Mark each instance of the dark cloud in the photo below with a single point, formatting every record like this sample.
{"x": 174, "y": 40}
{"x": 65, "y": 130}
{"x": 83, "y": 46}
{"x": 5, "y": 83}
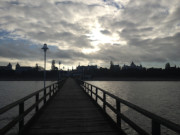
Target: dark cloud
{"x": 106, "y": 32}
{"x": 115, "y": 4}
{"x": 28, "y": 51}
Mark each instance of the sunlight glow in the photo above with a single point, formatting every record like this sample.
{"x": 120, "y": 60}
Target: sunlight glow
{"x": 89, "y": 50}
{"x": 98, "y": 37}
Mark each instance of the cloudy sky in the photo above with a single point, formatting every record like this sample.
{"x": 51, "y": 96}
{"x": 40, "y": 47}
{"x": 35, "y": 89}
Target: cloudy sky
{"x": 90, "y": 32}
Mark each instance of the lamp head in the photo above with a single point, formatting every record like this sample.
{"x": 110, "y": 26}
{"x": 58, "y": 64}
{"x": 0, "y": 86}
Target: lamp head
{"x": 45, "y": 48}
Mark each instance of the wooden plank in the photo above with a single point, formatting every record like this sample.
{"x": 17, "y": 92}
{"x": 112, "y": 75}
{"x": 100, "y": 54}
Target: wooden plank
{"x": 71, "y": 112}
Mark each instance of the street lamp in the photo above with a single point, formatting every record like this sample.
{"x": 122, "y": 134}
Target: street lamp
{"x": 45, "y": 48}
{"x": 59, "y": 69}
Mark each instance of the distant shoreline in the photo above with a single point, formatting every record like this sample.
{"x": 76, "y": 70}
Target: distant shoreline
{"x": 99, "y": 79}
{"x": 132, "y": 79}
{"x": 27, "y": 79}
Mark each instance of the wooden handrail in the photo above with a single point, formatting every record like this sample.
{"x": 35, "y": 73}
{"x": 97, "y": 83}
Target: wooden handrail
{"x": 157, "y": 121}
{"x": 8, "y": 107}
{"x": 22, "y": 112}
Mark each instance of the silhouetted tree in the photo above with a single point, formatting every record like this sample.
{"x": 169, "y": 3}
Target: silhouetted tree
{"x": 167, "y": 66}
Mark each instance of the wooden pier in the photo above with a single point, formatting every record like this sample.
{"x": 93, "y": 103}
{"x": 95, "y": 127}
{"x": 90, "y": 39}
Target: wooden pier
{"x": 71, "y": 112}
{"x": 72, "y": 108}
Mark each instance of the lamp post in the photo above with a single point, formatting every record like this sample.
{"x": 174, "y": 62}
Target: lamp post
{"x": 59, "y": 69}
{"x": 45, "y": 48}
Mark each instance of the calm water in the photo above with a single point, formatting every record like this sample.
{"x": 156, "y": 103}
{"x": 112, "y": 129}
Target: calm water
{"x": 11, "y": 91}
{"x": 161, "y": 98}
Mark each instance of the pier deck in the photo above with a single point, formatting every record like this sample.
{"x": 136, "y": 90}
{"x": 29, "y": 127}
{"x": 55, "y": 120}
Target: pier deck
{"x": 71, "y": 111}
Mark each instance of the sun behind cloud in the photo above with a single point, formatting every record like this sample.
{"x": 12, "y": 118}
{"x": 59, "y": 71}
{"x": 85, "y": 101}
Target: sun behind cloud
{"x": 99, "y": 35}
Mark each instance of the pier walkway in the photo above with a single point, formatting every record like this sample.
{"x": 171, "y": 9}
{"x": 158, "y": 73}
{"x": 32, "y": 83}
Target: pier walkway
{"x": 71, "y": 111}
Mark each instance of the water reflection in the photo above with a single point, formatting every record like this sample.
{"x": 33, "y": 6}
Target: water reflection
{"x": 161, "y": 98}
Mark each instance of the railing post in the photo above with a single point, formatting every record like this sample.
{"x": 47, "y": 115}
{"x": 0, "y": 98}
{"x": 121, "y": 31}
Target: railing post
{"x": 58, "y": 85}
{"x": 86, "y": 88}
{"x": 104, "y": 102}
{"x": 96, "y": 93}
{"x": 21, "y": 111}
{"x": 37, "y": 99}
{"x": 91, "y": 91}
{"x": 118, "y": 109}
{"x": 50, "y": 91}
{"x": 156, "y": 129}
{"x": 53, "y": 89}
{"x": 44, "y": 95}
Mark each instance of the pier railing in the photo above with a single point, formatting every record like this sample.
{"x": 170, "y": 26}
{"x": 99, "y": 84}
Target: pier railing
{"x": 47, "y": 93}
{"x": 156, "y": 121}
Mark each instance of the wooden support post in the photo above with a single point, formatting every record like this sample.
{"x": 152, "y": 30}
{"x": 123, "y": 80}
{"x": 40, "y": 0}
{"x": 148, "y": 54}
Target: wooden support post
{"x": 44, "y": 95}
{"x": 118, "y": 109}
{"x": 104, "y": 102}
{"x": 96, "y": 93}
{"x": 156, "y": 129}
{"x": 37, "y": 99}
{"x": 21, "y": 111}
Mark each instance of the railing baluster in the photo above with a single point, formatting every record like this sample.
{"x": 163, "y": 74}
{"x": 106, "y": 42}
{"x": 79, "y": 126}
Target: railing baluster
{"x": 50, "y": 90}
{"x": 86, "y": 87}
{"x": 21, "y": 111}
{"x": 58, "y": 85}
{"x": 44, "y": 95}
{"x": 96, "y": 93}
{"x": 37, "y": 99}
{"x": 104, "y": 101}
{"x": 118, "y": 109}
{"x": 156, "y": 129}
{"x": 53, "y": 89}
{"x": 91, "y": 91}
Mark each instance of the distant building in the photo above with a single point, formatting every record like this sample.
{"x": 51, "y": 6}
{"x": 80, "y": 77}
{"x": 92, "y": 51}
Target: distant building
{"x": 169, "y": 67}
{"x": 8, "y": 67}
{"x": 23, "y": 68}
{"x": 83, "y": 68}
{"x": 114, "y": 67}
{"x": 39, "y": 68}
{"x": 132, "y": 66}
